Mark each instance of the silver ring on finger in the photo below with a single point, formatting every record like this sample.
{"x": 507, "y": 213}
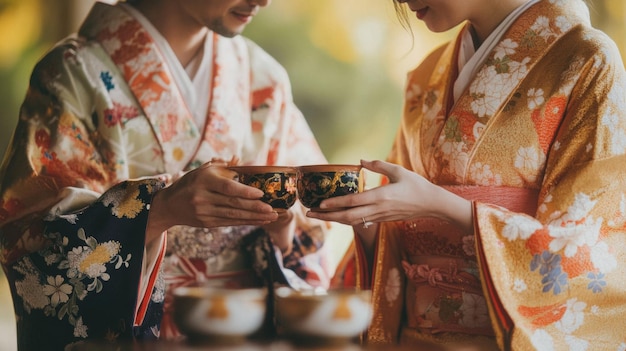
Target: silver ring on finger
{"x": 365, "y": 223}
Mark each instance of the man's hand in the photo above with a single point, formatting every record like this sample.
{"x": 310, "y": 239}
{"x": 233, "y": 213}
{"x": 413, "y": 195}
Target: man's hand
{"x": 207, "y": 197}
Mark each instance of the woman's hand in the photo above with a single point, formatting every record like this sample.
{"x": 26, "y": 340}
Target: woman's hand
{"x": 207, "y": 197}
{"x": 407, "y": 196}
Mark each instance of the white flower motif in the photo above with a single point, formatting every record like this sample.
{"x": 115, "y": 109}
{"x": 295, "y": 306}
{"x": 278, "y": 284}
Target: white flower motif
{"x": 31, "y": 292}
{"x": 517, "y": 70}
{"x": 602, "y": 259}
{"x": 570, "y": 231}
{"x": 57, "y": 290}
{"x": 576, "y": 344}
{"x": 573, "y": 317}
{"x": 456, "y": 155}
{"x": 97, "y": 270}
{"x": 580, "y": 209}
{"x": 541, "y": 340}
{"x": 563, "y": 24}
{"x": 589, "y": 147}
{"x": 519, "y": 285}
{"x": 392, "y": 288}
{"x": 572, "y": 236}
{"x": 505, "y": 48}
{"x": 542, "y": 27}
{"x": 483, "y": 175}
{"x": 474, "y": 311}
{"x": 520, "y": 227}
{"x": 595, "y": 310}
{"x": 528, "y": 158}
{"x": 113, "y": 247}
{"x": 75, "y": 257}
{"x": 489, "y": 89}
{"x": 80, "y": 330}
{"x": 557, "y": 145}
{"x": 535, "y": 98}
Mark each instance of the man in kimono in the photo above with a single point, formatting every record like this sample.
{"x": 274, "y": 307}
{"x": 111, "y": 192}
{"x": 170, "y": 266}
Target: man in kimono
{"x": 502, "y": 220}
{"x": 114, "y": 184}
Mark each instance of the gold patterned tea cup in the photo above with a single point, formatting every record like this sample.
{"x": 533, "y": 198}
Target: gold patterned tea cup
{"x": 219, "y": 315}
{"x": 278, "y": 183}
{"x": 319, "y": 182}
{"x": 336, "y": 316}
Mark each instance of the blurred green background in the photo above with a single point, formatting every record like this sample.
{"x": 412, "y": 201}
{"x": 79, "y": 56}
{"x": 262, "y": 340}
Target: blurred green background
{"x": 347, "y": 60}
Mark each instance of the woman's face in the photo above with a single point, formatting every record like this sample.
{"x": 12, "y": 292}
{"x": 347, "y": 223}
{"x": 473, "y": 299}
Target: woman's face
{"x": 225, "y": 17}
{"x": 442, "y": 15}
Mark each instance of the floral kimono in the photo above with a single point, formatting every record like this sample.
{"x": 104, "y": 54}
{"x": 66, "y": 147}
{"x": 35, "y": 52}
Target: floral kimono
{"x": 537, "y": 141}
{"x": 102, "y": 128}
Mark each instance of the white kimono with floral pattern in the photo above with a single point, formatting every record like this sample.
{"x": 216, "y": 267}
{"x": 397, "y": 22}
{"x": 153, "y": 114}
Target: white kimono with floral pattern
{"x": 103, "y": 126}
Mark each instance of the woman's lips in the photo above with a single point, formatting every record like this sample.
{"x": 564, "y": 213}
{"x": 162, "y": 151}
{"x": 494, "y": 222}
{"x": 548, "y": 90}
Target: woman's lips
{"x": 421, "y": 12}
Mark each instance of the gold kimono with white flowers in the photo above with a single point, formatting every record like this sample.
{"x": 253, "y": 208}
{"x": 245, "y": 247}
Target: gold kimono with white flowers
{"x": 538, "y": 142}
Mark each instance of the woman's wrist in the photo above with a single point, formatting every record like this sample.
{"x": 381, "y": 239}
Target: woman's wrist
{"x": 455, "y": 209}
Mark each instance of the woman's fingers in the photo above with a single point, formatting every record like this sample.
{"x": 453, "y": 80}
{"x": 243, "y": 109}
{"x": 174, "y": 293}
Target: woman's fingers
{"x": 352, "y": 200}
{"x": 352, "y": 216}
{"x": 390, "y": 170}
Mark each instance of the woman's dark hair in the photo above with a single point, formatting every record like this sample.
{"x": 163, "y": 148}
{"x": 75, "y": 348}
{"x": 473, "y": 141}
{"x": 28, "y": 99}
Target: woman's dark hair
{"x": 403, "y": 17}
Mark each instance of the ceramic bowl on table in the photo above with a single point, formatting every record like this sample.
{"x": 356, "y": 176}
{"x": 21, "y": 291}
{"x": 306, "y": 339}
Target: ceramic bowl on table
{"x": 278, "y": 183}
{"x": 319, "y": 182}
{"x": 333, "y": 317}
{"x": 219, "y": 315}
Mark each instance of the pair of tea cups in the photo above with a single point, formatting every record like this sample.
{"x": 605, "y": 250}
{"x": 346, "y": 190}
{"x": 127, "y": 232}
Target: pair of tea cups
{"x": 282, "y": 185}
{"x": 230, "y": 316}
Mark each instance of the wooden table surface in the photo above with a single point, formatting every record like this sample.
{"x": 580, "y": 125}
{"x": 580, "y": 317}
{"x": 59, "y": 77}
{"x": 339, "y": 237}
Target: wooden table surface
{"x": 279, "y": 345}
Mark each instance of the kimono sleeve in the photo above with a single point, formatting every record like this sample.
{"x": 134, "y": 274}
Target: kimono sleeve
{"x": 76, "y": 273}
{"x": 556, "y": 279}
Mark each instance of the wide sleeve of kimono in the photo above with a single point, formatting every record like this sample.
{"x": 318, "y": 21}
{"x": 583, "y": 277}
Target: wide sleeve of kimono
{"x": 556, "y": 280}
{"x": 276, "y": 117}
{"x": 72, "y": 234}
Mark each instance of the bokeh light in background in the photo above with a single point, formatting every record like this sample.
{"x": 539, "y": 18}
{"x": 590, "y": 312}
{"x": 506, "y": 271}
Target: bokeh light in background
{"x": 347, "y": 60}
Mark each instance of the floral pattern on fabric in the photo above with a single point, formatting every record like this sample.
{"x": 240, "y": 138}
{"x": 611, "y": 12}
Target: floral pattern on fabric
{"x": 103, "y": 111}
{"x": 533, "y": 121}
{"x": 73, "y": 278}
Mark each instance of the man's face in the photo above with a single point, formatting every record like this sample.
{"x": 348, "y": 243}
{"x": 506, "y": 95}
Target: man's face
{"x": 225, "y": 17}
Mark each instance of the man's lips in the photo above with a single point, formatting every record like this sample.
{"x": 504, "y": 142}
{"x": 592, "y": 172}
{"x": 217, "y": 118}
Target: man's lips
{"x": 243, "y": 16}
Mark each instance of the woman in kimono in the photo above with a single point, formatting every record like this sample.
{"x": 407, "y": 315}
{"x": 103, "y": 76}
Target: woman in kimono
{"x": 114, "y": 184}
{"x": 501, "y": 220}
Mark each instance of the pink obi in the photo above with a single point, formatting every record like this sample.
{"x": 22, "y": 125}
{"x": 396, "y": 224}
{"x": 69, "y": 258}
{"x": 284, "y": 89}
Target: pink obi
{"x": 444, "y": 292}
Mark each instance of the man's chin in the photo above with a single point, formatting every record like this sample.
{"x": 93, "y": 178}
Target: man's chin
{"x": 227, "y": 32}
